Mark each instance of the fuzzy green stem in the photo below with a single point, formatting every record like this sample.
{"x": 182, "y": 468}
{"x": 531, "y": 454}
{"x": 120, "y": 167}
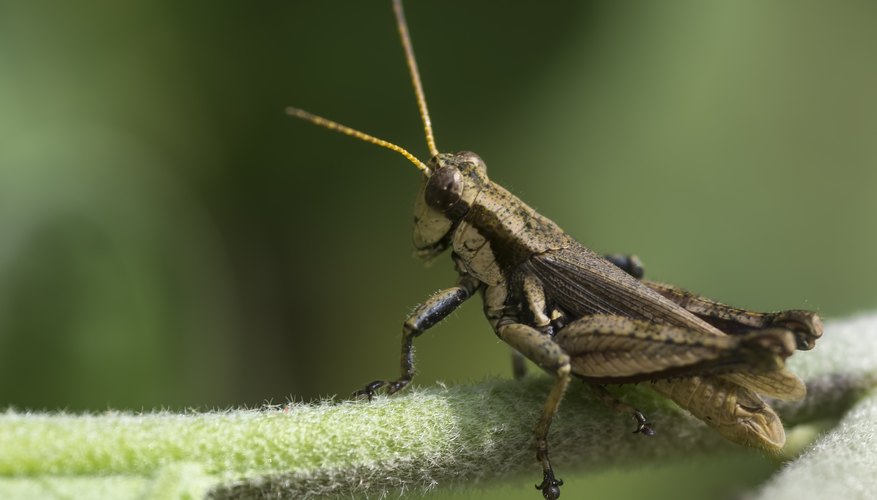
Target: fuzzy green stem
{"x": 415, "y": 441}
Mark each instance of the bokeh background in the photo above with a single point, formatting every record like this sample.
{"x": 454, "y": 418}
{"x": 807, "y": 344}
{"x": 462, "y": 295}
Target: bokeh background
{"x": 169, "y": 239}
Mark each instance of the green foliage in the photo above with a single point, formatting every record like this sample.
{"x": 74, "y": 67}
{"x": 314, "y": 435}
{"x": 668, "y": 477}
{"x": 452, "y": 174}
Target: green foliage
{"x": 426, "y": 438}
{"x": 840, "y": 465}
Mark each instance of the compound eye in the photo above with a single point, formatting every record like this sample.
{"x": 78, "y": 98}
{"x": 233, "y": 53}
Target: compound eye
{"x": 444, "y": 188}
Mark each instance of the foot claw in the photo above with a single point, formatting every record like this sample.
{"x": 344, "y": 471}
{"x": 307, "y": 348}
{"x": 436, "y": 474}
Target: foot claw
{"x": 646, "y": 430}
{"x": 550, "y": 486}
{"x": 397, "y": 386}
{"x": 643, "y": 426}
{"x": 369, "y": 390}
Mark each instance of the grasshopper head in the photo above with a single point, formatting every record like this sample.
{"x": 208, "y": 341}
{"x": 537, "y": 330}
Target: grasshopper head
{"x": 446, "y": 193}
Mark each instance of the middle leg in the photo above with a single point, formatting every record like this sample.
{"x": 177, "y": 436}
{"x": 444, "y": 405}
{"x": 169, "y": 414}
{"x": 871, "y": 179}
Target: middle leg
{"x": 503, "y": 311}
{"x": 541, "y": 349}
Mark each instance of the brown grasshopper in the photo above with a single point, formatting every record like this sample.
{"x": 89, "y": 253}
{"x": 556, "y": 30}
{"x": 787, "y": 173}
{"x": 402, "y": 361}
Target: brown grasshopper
{"x": 577, "y": 314}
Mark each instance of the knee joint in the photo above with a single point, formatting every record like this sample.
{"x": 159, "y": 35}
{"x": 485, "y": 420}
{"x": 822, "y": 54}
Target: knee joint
{"x": 563, "y": 367}
{"x": 410, "y": 329}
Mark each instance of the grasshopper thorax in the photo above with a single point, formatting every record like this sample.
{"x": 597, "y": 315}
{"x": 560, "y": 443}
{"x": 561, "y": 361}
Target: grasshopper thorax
{"x": 446, "y": 194}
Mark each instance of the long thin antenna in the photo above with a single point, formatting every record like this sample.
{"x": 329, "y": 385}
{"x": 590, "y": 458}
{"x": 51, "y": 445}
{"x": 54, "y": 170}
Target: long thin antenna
{"x": 329, "y": 124}
{"x": 415, "y": 76}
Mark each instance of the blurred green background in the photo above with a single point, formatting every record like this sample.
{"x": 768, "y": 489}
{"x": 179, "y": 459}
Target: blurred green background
{"x": 169, "y": 238}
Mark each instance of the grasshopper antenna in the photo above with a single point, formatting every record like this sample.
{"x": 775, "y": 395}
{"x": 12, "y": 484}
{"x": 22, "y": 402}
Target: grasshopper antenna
{"x": 418, "y": 90}
{"x": 415, "y": 76}
{"x": 329, "y": 124}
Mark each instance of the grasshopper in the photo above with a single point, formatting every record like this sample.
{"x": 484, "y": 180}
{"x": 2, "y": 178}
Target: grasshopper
{"x": 577, "y": 314}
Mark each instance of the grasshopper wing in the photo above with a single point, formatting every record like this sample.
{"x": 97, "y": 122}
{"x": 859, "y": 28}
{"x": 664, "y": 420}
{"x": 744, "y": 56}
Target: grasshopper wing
{"x": 583, "y": 283}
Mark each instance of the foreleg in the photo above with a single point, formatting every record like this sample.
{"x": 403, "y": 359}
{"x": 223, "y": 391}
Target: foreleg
{"x": 425, "y": 316}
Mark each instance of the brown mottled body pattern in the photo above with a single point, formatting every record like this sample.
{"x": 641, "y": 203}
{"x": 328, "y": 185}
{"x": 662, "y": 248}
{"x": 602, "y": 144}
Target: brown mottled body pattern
{"x": 575, "y": 313}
